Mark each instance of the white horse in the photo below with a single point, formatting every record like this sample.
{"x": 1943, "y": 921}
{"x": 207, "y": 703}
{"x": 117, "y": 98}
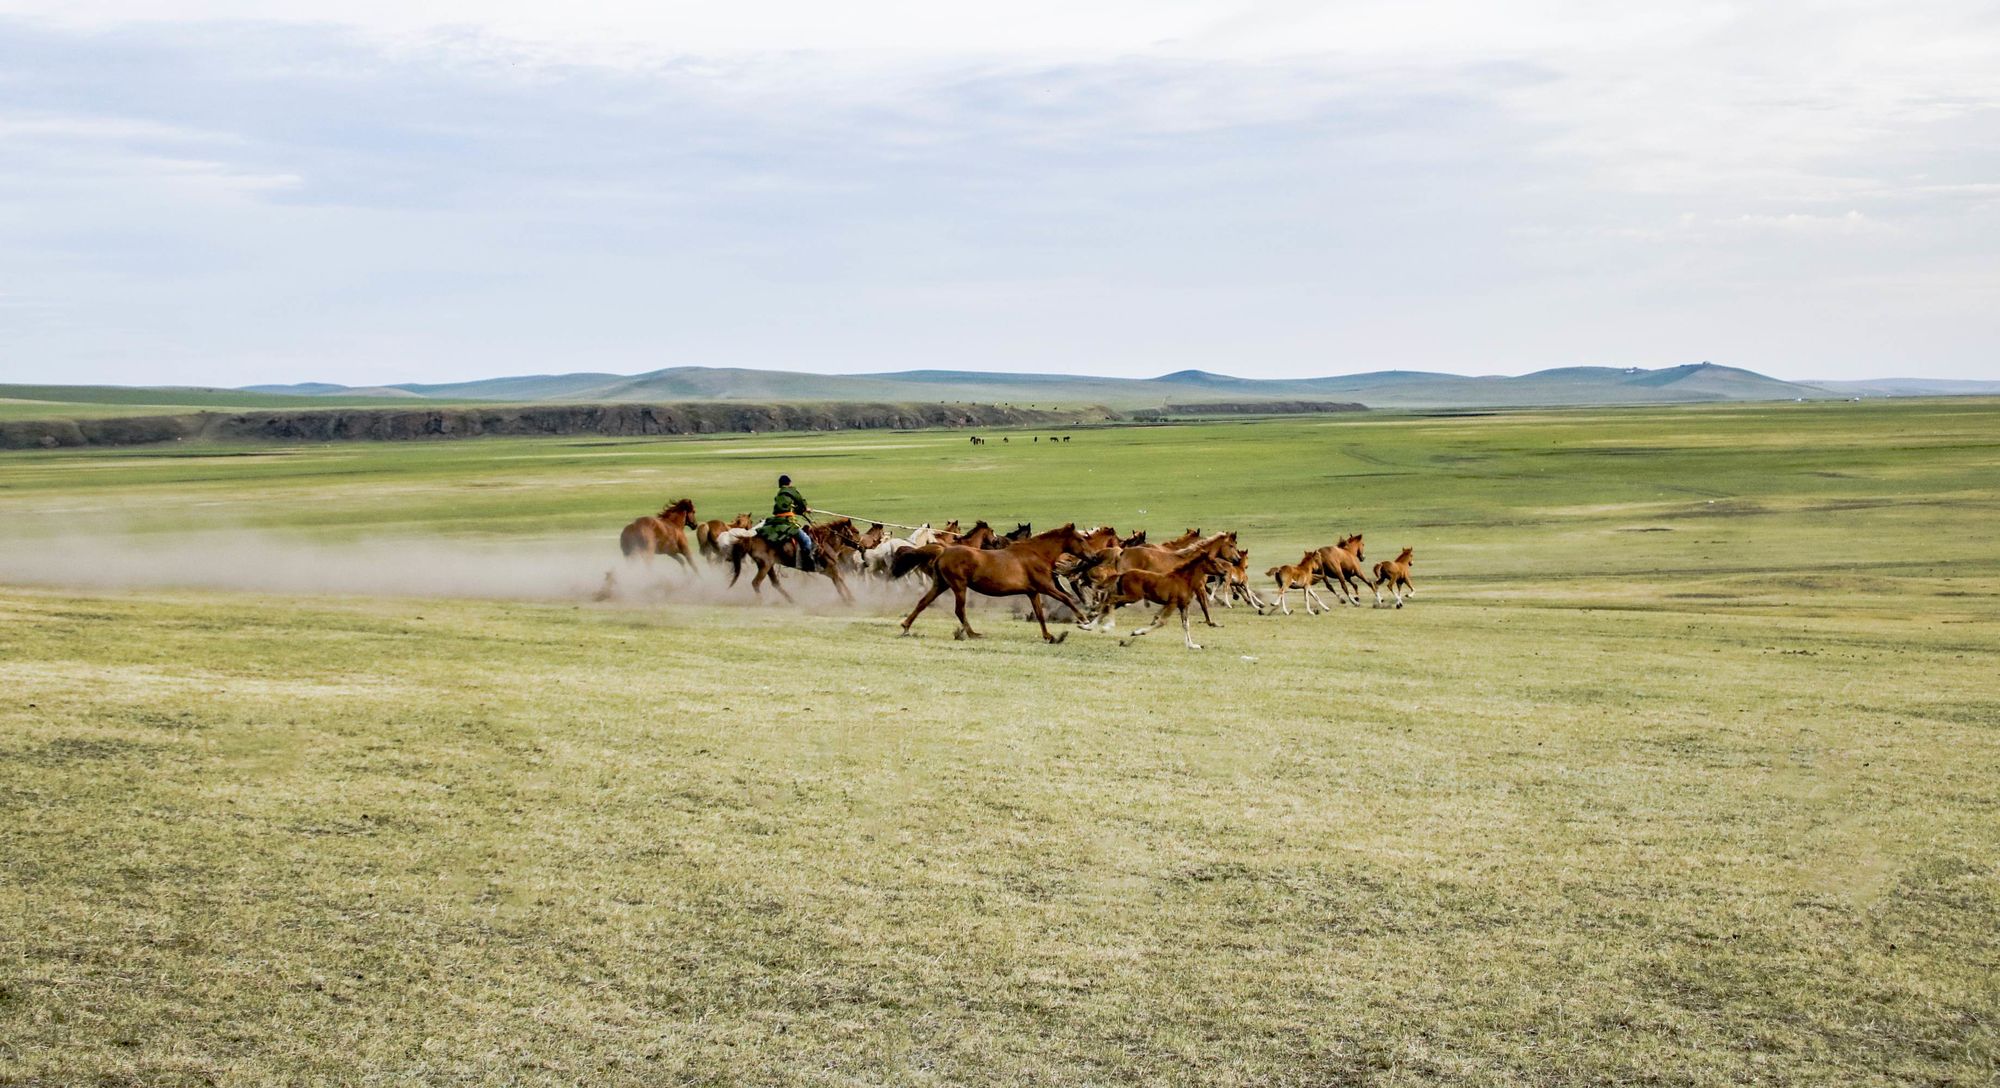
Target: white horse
{"x": 876, "y": 560}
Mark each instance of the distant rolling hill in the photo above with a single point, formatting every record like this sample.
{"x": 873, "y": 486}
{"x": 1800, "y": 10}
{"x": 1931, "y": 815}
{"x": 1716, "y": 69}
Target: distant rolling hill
{"x": 1590, "y": 385}
{"x": 1388, "y": 388}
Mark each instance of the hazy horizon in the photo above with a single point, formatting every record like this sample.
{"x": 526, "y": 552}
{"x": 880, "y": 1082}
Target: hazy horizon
{"x": 225, "y": 193}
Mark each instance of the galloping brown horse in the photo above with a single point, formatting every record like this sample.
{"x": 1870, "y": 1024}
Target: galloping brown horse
{"x": 1300, "y": 576}
{"x": 924, "y": 556}
{"x": 1026, "y": 568}
{"x": 1161, "y": 559}
{"x": 707, "y": 531}
{"x": 832, "y": 541}
{"x": 1396, "y": 572}
{"x": 661, "y": 534}
{"x": 1172, "y": 590}
{"x": 1340, "y": 565}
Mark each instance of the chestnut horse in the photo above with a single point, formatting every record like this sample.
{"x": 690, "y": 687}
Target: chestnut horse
{"x": 1340, "y": 565}
{"x": 1396, "y": 572}
{"x": 1301, "y": 576}
{"x": 1024, "y": 568}
{"x": 1172, "y": 590}
{"x": 832, "y": 543}
{"x": 1236, "y": 585}
{"x": 922, "y": 558}
{"x": 707, "y": 531}
{"x": 661, "y": 534}
{"x": 1160, "y": 560}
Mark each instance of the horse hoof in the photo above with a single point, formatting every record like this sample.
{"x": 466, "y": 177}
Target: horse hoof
{"x": 1058, "y": 640}
{"x": 1124, "y": 642}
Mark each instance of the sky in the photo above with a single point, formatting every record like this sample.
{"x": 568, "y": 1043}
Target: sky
{"x": 228, "y": 192}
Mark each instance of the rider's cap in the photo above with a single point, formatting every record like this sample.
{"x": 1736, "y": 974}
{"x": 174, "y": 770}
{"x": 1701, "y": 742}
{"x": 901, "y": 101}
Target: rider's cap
{"x": 783, "y": 480}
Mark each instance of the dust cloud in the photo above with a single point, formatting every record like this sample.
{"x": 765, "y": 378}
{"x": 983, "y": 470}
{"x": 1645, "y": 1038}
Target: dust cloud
{"x": 272, "y": 563}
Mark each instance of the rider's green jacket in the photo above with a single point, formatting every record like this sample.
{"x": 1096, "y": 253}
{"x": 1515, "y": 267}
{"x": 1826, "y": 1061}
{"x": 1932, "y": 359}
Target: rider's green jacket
{"x": 789, "y": 501}
{"x": 787, "y": 516}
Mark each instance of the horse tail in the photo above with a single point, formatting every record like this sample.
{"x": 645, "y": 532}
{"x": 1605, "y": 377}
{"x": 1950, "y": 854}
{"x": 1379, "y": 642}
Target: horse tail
{"x": 629, "y": 542}
{"x": 736, "y": 561}
{"x": 910, "y": 559}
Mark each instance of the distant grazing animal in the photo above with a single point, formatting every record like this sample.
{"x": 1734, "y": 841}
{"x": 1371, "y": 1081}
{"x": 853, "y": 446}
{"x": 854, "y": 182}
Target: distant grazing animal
{"x": 1023, "y": 569}
{"x": 1065, "y": 438}
{"x": 706, "y": 533}
{"x": 1396, "y": 573}
{"x": 1300, "y": 576}
{"x": 664, "y": 533}
{"x": 1172, "y": 590}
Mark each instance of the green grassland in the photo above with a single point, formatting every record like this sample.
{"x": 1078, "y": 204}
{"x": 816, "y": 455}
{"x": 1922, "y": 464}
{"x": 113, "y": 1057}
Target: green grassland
{"x": 1680, "y": 769}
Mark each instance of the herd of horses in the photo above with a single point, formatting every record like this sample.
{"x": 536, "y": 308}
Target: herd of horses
{"x": 1086, "y": 574}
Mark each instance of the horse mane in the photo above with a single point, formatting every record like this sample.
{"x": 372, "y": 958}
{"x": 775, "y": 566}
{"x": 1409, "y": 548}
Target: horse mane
{"x": 1195, "y": 557}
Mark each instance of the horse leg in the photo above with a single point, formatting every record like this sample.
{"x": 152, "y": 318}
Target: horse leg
{"x": 1157, "y": 620}
{"x": 937, "y": 587}
{"x": 958, "y": 606}
{"x": 1282, "y": 606}
{"x": 1202, "y": 600}
{"x": 780, "y": 586}
{"x": 1035, "y": 602}
{"x": 840, "y": 584}
{"x": 1187, "y": 632}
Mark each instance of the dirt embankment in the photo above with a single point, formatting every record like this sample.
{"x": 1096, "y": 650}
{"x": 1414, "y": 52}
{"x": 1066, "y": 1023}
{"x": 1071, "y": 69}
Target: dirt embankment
{"x": 399, "y": 424}
{"x": 1255, "y": 408}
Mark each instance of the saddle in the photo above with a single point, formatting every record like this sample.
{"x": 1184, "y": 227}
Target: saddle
{"x": 799, "y": 557}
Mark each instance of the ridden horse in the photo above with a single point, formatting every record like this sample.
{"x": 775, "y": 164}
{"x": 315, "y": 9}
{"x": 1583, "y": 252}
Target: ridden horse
{"x": 1340, "y": 565}
{"x": 1027, "y": 567}
{"x": 664, "y": 533}
{"x": 706, "y": 533}
{"x": 1172, "y": 590}
{"x": 1161, "y": 559}
{"x": 832, "y": 543}
{"x": 1301, "y": 576}
{"x": 1396, "y": 572}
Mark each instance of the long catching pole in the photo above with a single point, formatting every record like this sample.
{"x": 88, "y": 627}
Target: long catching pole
{"x": 857, "y": 517}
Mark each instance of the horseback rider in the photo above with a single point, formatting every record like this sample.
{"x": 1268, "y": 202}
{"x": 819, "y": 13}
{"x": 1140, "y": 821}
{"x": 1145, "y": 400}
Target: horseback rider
{"x": 788, "y": 521}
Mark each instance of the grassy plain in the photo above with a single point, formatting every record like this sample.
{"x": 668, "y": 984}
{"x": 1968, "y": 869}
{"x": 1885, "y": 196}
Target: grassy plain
{"x": 1683, "y": 768}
